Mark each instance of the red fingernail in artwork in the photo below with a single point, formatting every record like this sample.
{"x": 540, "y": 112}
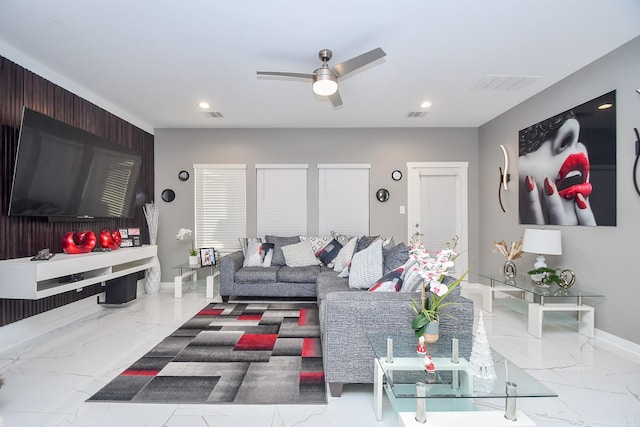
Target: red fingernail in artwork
{"x": 529, "y": 183}
{"x": 548, "y": 187}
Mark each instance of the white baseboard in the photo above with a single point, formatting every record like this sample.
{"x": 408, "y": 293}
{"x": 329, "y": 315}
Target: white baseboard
{"x": 611, "y": 342}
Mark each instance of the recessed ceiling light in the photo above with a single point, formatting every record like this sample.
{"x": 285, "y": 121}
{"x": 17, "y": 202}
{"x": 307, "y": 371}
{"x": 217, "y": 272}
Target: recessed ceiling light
{"x": 425, "y": 104}
{"x": 203, "y": 105}
{"x": 605, "y": 106}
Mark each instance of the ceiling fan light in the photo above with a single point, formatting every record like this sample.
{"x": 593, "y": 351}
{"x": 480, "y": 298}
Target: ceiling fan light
{"x": 324, "y": 82}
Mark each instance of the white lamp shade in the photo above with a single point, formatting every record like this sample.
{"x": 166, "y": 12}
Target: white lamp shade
{"x": 324, "y": 82}
{"x": 541, "y": 241}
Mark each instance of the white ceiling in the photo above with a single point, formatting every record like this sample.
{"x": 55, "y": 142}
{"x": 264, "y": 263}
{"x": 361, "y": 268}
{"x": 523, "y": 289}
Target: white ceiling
{"x": 152, "y": 61}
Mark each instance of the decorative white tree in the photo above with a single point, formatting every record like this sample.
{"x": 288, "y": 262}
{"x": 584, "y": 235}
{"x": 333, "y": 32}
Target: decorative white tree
{"x": 481, "y": 362}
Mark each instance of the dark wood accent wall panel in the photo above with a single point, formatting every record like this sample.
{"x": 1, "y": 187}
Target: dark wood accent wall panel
{"x": 24, "y": 236}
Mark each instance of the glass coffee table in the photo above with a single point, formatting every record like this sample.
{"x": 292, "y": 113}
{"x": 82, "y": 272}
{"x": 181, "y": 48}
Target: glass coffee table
{"x": 448, "y": 392}
{"x": 543, "y": 299}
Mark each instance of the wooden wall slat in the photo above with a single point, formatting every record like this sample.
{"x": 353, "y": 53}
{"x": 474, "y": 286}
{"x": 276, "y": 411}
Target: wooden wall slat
{"x": 25, "y": 236}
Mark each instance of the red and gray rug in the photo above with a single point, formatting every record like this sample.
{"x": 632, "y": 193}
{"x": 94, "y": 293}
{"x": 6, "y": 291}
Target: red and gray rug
{"x": 246, "y": 353}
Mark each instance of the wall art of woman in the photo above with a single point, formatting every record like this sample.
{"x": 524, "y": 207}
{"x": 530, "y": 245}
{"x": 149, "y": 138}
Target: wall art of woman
{"x": 556, "y": 173}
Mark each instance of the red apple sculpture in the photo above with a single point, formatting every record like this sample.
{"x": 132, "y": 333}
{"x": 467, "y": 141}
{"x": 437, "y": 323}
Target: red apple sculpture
{"x": 78, "y": 243}
{"x": 110, "y": 240}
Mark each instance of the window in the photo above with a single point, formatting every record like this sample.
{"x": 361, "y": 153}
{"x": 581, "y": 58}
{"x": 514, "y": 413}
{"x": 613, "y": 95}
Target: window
{"x": 220, "y": 206}
{"x": 343, "y": 199}
{"x": 281, "y": 199}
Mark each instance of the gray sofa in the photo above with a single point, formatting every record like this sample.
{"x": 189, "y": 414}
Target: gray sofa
{"x": 274, "y": 281}
{"x": 346, "y": 314}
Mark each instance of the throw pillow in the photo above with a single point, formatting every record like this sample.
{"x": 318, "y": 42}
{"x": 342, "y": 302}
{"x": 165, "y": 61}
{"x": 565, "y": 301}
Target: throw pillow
{"x": 345, "y": 271}
{"x": 317, "y": 243}
{"x": 268, "y": 254}
{"x": 279, "y": 242}
{"x": 343, "y": 239}
{"x": 244, "y": 242}
{"x": 411, "y": 280}
{"x": 366, "y": 266}
{"x": 395, "y": 257}
{"x": 329, "y": 252}
{"x": 390, "y": 282}
{"x": 364, "y": 242}
{"x": 344, "y": 256}
{"x": 299, "y": 255}
{"x": 388, "y": 243}
{"x": 254, "y": 255}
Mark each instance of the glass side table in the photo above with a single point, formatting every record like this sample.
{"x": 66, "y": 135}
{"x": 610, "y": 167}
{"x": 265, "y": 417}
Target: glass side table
{"x": 542, "y": 299}
{"x": 189, "y": 272}
{"x": 399, "y": 372}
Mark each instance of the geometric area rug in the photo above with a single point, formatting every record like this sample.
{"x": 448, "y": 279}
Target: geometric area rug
{"x": 231, "y": 353}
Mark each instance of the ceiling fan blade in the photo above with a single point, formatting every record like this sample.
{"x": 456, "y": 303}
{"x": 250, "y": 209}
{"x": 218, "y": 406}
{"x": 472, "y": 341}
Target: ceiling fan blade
{"x": 281, "y": 74}
{"x": 358, "y": 62}
{"x": 335, "y": 99}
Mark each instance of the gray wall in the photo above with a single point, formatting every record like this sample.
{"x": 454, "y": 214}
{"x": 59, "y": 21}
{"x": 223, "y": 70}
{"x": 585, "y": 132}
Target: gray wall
{"x": 603, "y": 258}
{"x": 385, "y": 149}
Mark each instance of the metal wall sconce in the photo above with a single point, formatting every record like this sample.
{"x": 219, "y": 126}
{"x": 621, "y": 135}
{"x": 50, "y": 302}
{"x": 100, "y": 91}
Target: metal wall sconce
{"x": 635, "y": 163}
{"x": 504, "y": 177}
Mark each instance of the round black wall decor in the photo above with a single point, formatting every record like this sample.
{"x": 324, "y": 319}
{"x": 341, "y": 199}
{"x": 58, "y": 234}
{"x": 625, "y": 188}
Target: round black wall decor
{"x": 382, "y": 195}
{"x": 183, "y": 175}
{"x": 396, "y": 175}
{"x": 168, "y": 195}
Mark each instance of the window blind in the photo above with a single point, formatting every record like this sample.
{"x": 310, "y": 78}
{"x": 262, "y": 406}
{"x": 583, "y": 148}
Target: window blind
{"x": 281, "y": 199}
{"x": 220, "y": 206}
{"x": 343, "y": 195}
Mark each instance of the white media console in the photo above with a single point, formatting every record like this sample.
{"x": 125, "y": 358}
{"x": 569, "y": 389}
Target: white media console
{"x": 22, "y": 278}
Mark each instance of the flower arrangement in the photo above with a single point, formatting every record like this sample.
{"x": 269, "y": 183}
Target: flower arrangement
{"x": 545, "y": 277}
{"x": 433, "y": 270}
{"x": 183, "y": 233}
{"x": 511, "y": 251}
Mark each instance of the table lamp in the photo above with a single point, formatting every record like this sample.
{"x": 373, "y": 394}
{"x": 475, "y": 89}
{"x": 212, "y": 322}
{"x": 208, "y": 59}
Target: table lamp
{"x": 542, "y": 242}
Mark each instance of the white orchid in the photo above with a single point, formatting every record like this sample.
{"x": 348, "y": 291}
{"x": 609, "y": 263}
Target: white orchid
{"x": 438, "y": 288}
{"x": 433, "y": 271}
{"x": 183, "y": 233}
{"x": 428, "y": 267}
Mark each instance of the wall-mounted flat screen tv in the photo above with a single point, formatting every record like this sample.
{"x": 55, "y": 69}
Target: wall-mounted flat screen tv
{"x": 65, "y": 172}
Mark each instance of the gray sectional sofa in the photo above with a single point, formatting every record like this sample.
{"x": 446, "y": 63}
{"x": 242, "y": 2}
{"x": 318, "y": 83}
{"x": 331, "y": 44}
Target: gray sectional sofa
{"x": 346, "y": 314}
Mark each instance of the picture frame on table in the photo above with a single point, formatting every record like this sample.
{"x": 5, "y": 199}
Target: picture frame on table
{"x": 207, "y": 256}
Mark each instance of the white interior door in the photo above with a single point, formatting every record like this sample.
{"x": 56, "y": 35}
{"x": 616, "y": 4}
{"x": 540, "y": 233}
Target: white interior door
{"x": 437, "y": 207}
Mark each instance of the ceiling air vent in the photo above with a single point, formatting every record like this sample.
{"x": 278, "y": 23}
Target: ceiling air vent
{"x": 416, "y": 114}
{"x": 214, "y": 114}
{"x": 502, "y": 82}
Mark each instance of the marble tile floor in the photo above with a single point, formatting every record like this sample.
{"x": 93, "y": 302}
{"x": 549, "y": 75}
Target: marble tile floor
{"x": 48, "y": 379}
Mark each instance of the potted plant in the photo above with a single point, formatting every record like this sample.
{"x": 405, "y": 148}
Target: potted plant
{"x": 183, "y": 233}
{"x": 544, "y": 277}
{"x": 433, "y": 272}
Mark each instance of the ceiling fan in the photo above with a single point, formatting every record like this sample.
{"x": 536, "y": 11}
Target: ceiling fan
{"x": 325, "y": 78}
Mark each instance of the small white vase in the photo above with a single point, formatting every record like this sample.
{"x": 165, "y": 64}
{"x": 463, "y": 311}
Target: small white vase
{"x": 193, "y": 260}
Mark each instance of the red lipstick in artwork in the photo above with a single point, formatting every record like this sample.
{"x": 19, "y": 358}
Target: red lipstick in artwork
{"x": 573, "y": 177}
